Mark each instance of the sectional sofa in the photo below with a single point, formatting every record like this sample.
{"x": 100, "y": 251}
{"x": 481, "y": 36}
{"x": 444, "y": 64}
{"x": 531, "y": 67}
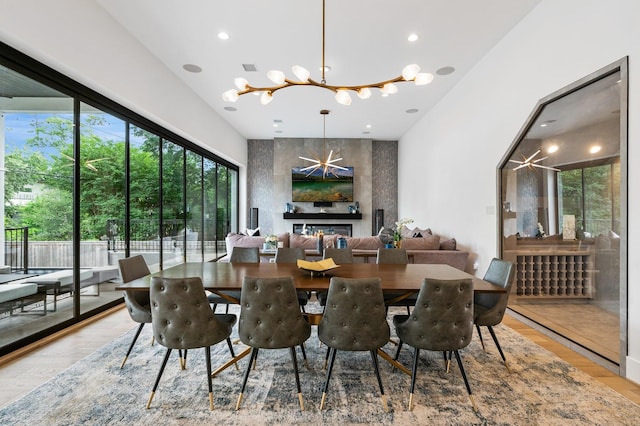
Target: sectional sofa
{"x": 427, "y": 249}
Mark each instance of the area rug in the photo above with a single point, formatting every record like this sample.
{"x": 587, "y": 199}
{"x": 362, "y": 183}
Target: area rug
{"x": 541, "y": 390}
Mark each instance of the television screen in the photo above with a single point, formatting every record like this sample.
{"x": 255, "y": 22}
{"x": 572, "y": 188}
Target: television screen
{"x": 336, "y": 185}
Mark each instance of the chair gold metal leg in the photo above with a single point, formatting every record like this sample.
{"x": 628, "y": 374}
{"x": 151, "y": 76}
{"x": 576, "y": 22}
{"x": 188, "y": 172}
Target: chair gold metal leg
{"x": 150, "y": 399}
{"x": 506, "y": 364}
{"x": 410, "y": 401}
{"x": 473, "y": 402}
{"x": 324, "y": 396}
{"x": 123, "y": 361}
{"x": 238, "y": 402}
{"x": 385, "y": 405}
{"x": 393, "y": 362}
{"x": 210, "y": 401}
{"x": 234, "y": 360}
{"x": 153, "y": 340}
{"x": 301, "y": 401}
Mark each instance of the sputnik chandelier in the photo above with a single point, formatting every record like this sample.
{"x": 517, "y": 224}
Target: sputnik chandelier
{"x": 387, "y": 87}
{"x": 327, "y": 165}
{"x": 532, "y": 164}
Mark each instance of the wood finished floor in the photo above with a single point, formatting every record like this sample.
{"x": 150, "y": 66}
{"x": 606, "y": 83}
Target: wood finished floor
{"x": 24, "y": 370}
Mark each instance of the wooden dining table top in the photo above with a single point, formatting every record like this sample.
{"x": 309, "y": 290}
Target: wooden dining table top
{"x": 218, "y": 276}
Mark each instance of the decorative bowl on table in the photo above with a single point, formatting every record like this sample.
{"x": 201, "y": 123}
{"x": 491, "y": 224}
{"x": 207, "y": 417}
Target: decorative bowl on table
{"x": 319, "y": 267}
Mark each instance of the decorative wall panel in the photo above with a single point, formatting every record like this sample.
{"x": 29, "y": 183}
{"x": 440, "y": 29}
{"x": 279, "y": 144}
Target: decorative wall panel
{"x": 269, "y": 178}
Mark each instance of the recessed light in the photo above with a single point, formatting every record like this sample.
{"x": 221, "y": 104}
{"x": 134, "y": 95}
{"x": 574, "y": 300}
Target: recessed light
{"x": 384, "y": 95}
{"x": 368, "y": 126}
{"x": 413, "y": 37}
{"x": 595, "y": 149}
{"x": 192, "y": 68}
{"x": 223, "y": 36}
{"x": 445, "y": 70}
{"x": 412, "y": 110}
{"x": 231, "y": 109}
{"x": 552, "y": 148}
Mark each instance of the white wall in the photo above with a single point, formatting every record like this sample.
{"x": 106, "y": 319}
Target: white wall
{"x": 465, "y": 136}
{"x": 100, "y": 54}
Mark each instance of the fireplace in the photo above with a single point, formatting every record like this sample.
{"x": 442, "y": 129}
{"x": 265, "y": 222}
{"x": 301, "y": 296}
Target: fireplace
{"x": 329, "y": 229}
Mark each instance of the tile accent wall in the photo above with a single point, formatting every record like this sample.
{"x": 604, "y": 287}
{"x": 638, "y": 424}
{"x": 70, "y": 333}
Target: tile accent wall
{"x": 269, "y": 179}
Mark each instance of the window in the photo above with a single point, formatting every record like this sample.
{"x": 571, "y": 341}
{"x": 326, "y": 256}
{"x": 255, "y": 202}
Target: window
{"x": 591, "y": 195}
{"x": 87, "y": 182}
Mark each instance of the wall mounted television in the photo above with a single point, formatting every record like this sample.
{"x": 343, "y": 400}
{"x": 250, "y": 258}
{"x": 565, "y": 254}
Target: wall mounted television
{"x": 335, "y": 186}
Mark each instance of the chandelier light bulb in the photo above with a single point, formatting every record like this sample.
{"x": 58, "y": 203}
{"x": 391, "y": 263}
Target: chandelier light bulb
{"x": 241, "y": 83}
{"x": 230, "y": 95}
{"x": 343, "y": 98}
{"x": 276, "y": 76}
{"x": 410, "y": 72}
{"x": 424, "y": 78}
{"x": 364, "y": 93}
{"x": 265, "y": 98}
{"x": 301, "y": 72}
{"x": 389, "y": 89}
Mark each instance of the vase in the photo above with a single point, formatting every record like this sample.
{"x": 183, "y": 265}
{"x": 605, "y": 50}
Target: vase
{"x": 397, "y": 244}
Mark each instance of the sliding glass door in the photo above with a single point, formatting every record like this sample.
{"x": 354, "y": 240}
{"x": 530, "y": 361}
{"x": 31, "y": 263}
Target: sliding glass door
{"x": 87, "y": 182}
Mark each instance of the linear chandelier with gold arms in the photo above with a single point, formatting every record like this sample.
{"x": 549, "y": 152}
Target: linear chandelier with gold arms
{"x": 388, "y": 87}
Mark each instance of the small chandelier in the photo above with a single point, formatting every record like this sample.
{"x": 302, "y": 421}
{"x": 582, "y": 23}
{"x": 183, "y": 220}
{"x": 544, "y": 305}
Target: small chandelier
{"x": 327, "y": 165}
{"x": 388, "y": 87}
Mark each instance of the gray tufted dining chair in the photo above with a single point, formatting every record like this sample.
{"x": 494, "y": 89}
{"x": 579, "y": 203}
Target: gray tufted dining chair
{"x": 291, "y": 255}
{"x": 238, "y": 255}
{"x": 182, "y": 319}
{"x": 442, "y": 320}
{"x": 136, "y": 302}
{"x": 354, "y": 319}
{"x": 489, "y": 308}
{"x": 395, "y": 256}
{"x": 340, "y": 257}
{"x": 270, "y": 318}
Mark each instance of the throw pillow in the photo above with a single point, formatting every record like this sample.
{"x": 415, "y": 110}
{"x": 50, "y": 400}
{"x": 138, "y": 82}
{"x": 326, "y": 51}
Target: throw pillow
{"x": 424, "y": 232}
{"x": 406, "y": 232}
{"x": 365, "y": 243}
{"x": 253, "y": 232}
{"x": 385, "y": 235}
{"x": 430, "y": 242}
{"x": 449, "y": 244}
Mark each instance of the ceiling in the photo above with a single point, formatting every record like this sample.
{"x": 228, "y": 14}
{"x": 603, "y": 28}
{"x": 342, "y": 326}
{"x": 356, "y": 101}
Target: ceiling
{"x": 366, "y": 42}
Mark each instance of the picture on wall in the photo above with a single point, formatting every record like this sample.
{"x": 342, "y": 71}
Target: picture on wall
{"x": 334, "y": 187}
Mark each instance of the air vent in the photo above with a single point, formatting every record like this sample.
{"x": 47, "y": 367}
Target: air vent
{"x": 249, "y": 67}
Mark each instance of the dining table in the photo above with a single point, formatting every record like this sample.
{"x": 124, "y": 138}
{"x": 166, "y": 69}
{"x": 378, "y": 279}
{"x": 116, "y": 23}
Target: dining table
{"x": 402, "y": 280}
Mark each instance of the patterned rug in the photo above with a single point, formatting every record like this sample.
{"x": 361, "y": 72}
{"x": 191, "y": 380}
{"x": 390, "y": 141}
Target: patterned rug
{"x": 541, "y": 390}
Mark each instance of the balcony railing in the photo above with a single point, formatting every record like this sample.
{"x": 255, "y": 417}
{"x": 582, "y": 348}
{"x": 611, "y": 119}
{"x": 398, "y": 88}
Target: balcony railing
{"x": 16, "y": 249}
